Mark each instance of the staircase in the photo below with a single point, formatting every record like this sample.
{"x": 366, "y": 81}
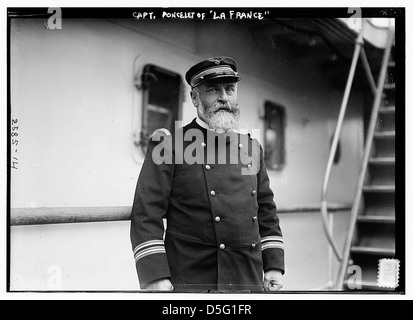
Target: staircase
{"x": 374, "y": 229}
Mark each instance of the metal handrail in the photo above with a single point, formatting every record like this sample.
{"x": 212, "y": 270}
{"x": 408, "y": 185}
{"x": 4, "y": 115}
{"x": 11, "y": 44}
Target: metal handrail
{"x": 64, "y": 215}
{"x": 363, "y": 171}
{"x": 369, "y": 74}
{"x": 333, "y": 150}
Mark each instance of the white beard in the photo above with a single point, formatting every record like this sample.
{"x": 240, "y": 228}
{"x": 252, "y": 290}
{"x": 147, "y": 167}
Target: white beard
{"x": 221, "y": 119}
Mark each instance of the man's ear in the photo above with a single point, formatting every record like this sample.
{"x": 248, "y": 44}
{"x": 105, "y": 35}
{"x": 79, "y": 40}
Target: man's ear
{"x": 194, "y": 98}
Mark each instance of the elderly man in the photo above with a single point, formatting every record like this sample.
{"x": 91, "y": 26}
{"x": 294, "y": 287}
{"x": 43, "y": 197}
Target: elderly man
{"x": 222, "y": 230}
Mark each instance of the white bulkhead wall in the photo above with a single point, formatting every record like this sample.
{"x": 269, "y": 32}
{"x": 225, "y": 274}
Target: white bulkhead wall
{"x": 77, "y": 108}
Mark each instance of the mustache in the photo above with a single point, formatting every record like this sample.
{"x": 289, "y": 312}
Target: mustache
{"x": 225, "y": 107}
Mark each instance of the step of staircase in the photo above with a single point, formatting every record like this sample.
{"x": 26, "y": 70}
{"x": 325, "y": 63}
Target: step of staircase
{"x": 379, "y": 189}
{"x": 382, "y": 252}
{"x": 383, "y": 161}
{"x": 376, "y": 219}
{"x": 390, "y": 109}
{"x": 389, "y": 86}
{"x": 385, "y": 134}
{"x": 373, "y": 286}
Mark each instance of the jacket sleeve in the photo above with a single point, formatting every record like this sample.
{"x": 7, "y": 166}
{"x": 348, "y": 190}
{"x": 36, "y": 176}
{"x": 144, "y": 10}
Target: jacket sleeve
{"x": 149, "y": 208}
{"x": 272, "y": 243}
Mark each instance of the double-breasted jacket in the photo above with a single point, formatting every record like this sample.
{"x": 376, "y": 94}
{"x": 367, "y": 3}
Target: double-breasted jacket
{"x": 213, "y": 192}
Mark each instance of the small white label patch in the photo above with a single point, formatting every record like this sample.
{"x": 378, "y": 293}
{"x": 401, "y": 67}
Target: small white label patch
{"x": 388, "y": 274}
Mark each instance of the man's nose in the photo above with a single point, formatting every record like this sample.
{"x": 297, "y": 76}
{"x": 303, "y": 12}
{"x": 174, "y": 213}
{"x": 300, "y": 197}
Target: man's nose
{"x": 222, "y": 95}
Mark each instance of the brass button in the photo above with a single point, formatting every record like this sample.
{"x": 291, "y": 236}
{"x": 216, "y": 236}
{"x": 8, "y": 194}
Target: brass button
{"x": 208, "y": 167}
{"x": 253, "y": 245}
{"x": 203, "y": 144}
{"x": 254, "y": 192}
{"x": 217, "y": 219}
{"x": 254, "y": 218}
{"x": 240, "y": 146}
{"x": 222, "y": 246}
{"x": 249, "y": 165}
{"x": 213, "y": 193}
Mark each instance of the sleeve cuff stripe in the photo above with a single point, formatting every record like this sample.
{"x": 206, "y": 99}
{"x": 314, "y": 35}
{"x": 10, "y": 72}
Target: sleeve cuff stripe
{"x": 147, "y": 244}
{"x": 268, "y": 239}
{"x": 272, "y": 245}
{"x": 149, "y": 252}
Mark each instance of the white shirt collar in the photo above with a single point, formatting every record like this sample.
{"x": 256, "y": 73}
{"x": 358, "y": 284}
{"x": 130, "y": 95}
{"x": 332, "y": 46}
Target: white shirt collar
{"x": 203, "y": 124}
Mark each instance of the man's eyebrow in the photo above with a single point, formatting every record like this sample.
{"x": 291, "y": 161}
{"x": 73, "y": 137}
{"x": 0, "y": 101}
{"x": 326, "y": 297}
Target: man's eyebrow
{"x": 211, "y": 86}
{"x": 215, "y": 85}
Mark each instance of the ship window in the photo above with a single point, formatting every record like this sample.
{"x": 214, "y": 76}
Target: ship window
{"x": 161, "y": 100}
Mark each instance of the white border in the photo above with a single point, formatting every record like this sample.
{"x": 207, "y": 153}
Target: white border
{"x": 176, "y": 296}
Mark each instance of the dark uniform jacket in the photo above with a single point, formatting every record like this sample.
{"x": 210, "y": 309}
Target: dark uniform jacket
{"x": 222, "y": 227}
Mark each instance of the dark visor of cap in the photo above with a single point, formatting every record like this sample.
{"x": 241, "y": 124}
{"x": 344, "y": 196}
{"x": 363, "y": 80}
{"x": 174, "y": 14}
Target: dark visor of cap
{"x": 218, "y": 72}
